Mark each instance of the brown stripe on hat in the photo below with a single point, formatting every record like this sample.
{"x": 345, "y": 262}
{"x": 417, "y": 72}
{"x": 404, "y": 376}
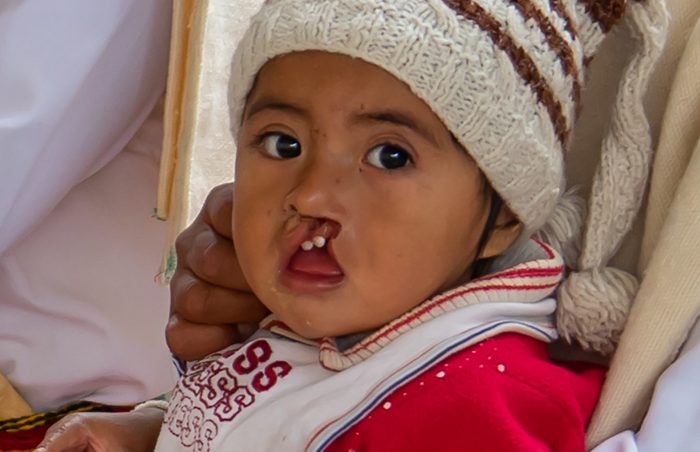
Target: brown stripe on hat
{"x": 522, "y": 63}
{"x": 558, "y": 7}
{"x": 555, "y": 41}
{"x": 605, "y": 13}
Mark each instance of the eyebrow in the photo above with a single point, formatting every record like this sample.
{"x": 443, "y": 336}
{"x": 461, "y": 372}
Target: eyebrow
{"x": 399, "y": 119}
{"x": 274, "y": 104}
{"x": 393, "y": 117}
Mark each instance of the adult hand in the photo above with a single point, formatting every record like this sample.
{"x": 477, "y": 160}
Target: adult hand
{"x": 211, "y": 305}
{"x": 98, "y": 432}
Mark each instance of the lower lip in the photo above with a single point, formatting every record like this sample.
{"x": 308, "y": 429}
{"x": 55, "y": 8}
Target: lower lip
{"x": 307, "y": 283}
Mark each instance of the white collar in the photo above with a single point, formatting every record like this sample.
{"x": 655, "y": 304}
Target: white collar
{"x": 527, "y": 273}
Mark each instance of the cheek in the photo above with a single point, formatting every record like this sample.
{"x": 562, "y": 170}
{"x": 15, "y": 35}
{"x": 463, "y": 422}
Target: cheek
{"x": 259, "y": 190}
{"x": 426, "y": 256}
{"x": 244, "y": 237}
{"x": 421, "y": 242}
{"x": 253, "y": 225}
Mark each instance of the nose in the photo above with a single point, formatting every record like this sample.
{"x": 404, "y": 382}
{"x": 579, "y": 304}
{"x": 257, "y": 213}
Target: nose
{"x": 318, "y": 189}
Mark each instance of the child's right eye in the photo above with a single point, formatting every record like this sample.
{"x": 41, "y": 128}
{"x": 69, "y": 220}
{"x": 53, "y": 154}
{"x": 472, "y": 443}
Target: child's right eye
{"x": 388, "y": 157}
{"x": 281, "y": 146}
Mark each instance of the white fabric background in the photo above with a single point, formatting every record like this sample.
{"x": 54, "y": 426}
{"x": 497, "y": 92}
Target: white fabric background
{"x": 77, "y": 78}
{"x": 80, "y": 315}
{"x": 673, "y": 419}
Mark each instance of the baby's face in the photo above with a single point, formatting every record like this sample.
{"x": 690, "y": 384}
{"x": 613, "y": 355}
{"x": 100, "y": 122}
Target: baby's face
{"x": 336, "y": 150}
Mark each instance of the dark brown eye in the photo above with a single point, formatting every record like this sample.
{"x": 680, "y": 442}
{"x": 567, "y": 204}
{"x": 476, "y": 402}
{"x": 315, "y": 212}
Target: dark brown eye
{"x": 389, "y": 157}
{"x": 281, "y": 146}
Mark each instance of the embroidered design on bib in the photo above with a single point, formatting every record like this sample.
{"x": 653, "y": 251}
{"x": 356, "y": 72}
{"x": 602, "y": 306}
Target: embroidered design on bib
{"x": 219, "y": 388}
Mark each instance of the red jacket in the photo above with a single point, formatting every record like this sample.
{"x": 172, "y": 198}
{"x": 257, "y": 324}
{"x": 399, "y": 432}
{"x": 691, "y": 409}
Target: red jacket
{"x": 503, "y": 394}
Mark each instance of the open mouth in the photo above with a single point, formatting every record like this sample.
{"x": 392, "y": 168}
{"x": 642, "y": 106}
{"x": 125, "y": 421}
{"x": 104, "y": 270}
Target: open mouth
{"x": 310, "y": 265}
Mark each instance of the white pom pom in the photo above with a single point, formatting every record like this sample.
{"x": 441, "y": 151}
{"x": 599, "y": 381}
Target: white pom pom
{"x": 564, "y": 227}
{"x": 593, "y": 307}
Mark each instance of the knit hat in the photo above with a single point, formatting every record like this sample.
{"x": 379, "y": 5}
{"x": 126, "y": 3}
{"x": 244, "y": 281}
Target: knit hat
{"x": 505, "y": 77}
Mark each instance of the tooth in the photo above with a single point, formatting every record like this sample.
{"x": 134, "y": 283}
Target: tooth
{"x": 319, "y": 241}
{"x": 307, "y": 245}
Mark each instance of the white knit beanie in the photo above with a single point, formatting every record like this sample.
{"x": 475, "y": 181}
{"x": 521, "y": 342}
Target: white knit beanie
{"x": 505, "y": 77}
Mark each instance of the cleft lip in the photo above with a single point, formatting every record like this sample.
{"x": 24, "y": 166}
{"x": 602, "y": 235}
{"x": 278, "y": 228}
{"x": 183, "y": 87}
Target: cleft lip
{"x": 328, "y": 229}
{"x": 297, "y": 230}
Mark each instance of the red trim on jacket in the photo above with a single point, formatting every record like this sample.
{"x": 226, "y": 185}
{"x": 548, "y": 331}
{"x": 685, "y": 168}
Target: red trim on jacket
{"x": 503, "y": 394}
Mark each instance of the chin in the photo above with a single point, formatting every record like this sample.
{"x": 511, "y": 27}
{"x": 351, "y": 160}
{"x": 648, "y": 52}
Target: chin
{"x": 305, "y": 315}
{"x": 306, "y": 329}
{"x": 315, "y": 327}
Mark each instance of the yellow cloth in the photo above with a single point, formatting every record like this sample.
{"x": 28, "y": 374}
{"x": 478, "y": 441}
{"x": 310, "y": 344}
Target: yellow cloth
{"x": 198, "y": 150}
{"x": 11, "y": 404}
{"x": 667, "y": 304}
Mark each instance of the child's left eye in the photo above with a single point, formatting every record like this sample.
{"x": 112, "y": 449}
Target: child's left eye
{"x": 281, "y": 146}
{"x": 389, "y": 157}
